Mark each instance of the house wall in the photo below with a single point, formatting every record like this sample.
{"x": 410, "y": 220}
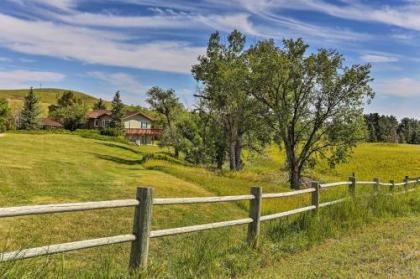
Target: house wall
{"x": 137, "y": 122}
{"x": 99, "y": 122}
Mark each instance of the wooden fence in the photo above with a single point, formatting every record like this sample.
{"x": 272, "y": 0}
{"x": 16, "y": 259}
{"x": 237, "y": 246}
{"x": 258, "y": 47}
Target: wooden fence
{"x": 144, "y": 202}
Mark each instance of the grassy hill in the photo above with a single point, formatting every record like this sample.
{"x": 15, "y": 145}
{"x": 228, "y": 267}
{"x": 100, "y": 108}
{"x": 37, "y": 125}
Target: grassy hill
{"x": 47, "y": 97}
{"x": 51, "y": 168}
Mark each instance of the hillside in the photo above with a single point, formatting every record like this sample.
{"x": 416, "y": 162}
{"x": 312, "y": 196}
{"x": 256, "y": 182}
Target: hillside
{"x": 47, "y": 97}
{"x": 52, "y": 168}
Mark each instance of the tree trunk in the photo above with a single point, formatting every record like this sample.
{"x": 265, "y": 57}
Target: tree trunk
{"x": 293, "y": 166}
{"x": 238, "y": 152}
{"x": 294, "y": 177}
{"x": 232, "y": 156}
{"x": 176, "y": 153}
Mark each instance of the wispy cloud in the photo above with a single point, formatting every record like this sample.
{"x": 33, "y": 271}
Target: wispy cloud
{"x": 24, "y": 78}
{"x": 94, "y": 46}
{"x": 375, "y": 58}
{"x": 132, "y": 90}
{"x": 400, "y": 87}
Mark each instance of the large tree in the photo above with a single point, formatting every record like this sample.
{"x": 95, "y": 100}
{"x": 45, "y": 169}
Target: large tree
{"x": 167, "y": 104}
{"x": 117, "y": 111}
{"x": 4, "y": 114}
{"x": 222, "y": 72}
{"x": 69, "y": 111}
{"x": 30, "y": 114}
{"x": 316, "y": 102}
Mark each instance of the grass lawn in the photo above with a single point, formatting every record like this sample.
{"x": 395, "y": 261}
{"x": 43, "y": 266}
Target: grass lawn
{"x": 49, "y": 168}
{"x": 384, "y": 250}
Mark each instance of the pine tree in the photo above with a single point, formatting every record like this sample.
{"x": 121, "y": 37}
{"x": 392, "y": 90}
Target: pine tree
{"x": 4, "y": 114}
{"x": 99, "y": 105}
{"x": 29, "y": 118}
{"x": 117, "y": 111}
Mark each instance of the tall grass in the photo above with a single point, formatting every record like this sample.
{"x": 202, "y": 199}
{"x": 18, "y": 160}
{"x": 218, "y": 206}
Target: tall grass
{"x": 214, "y": 254}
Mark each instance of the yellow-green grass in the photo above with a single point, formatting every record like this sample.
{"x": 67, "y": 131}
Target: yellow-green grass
{"x": 387, "y": 250}
{"x": 48, "y": 168}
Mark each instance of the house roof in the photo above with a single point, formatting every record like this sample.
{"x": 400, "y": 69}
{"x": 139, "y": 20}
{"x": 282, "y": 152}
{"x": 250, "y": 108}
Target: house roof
{"x": 133, "y": 113}
{"x": 51, "y": 123}
{"x": 98, "y": 113}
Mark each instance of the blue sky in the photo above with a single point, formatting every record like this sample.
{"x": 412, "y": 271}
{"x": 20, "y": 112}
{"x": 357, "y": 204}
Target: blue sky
{"x": 100, "y": 46}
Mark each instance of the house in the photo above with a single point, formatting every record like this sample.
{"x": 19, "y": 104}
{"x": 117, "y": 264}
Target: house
{"x": 137, "y": 125}
{"x": 48, "y": 123}
{"x": 99, "y": 119}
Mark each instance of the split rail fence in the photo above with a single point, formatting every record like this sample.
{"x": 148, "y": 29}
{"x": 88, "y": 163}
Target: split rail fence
{"x": 144, "y": 203}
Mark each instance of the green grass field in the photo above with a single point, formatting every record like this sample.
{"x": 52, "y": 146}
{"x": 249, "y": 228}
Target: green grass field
{"x": 47, "y": 96}
{"x": 52, "y": 168}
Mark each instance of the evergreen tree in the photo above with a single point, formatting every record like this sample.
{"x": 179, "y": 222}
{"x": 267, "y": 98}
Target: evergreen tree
{"x": 99, "y": 105}
{"x": 29, "y": 118}
{"x": 117, "y": 111}
{"x": 4, "y": 114}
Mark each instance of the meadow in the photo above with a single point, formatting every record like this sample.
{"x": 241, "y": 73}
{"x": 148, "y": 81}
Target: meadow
{"x": 55, "y": 168}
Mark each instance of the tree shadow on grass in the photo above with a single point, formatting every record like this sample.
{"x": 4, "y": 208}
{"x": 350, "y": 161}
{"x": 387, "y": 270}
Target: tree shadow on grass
{"x": 113, "y": 145}
{"x": 119, "y": 160}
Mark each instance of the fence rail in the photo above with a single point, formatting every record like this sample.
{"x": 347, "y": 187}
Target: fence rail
{"x": 142, "y": 218}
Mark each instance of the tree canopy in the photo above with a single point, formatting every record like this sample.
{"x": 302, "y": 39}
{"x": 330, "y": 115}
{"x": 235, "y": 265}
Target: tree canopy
{"x": 316, "y": 102}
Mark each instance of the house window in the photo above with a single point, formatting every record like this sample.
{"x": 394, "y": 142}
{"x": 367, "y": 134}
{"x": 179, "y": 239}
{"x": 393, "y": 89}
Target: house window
{"x": 95, "y": 123}
{"x": 144, "y": 125}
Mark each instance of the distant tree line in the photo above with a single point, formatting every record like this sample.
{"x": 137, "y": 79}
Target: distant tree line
{"x": 384, "y": 128}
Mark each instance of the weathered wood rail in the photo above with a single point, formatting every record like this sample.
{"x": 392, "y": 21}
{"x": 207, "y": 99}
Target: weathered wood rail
{"x": 144, "y": 203}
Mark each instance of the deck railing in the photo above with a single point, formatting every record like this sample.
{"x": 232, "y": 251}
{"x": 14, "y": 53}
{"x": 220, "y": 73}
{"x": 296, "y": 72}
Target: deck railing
{"x": 144, "y": 203}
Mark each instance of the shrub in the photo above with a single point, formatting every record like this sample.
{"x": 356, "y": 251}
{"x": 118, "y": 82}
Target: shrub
{"x": 112, "y": 132}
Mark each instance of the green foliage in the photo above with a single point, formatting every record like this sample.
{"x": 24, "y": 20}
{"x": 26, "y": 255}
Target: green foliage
{"x": 4, "y": 114}
{"x": 69, "y": 110}
{"x": 316, "y": 102}
{"x": 112, "y": 132}
{"x": 99, "y": 105}
{"x": 29, "y": 117}
{"x": 168, "y": 106}
{"x": 223, "y": 71}
{"x": 381, "y": 128}
{"x": 117, "y": 112}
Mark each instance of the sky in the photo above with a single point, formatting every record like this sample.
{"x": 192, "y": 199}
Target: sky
{"x": 100, "y": 46}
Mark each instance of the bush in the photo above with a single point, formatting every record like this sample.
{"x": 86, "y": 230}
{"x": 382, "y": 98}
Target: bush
{"x": 112, "y": 132}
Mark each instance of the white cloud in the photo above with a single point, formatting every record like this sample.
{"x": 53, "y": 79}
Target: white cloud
{"x": 94, "y": 46}
{"x": 132, "y": 90}
{"x": 374, "y": 58}
{"x": 401, "y": 87}
{"x": 24, "y": 78}
{"x": 5, "y": 59}
{"x": 405, "y": 15}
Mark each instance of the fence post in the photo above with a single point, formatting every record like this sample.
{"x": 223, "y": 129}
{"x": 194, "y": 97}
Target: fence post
{"x": 376, "y": 185}
{"x": 352, "y": 186}
{"x": 141, "y": 228}
{"x": 315, "y": 195}
{"x": 406, "y": 183}
{"x": 392, "y": 187}
{"x": 255, "y": 214}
